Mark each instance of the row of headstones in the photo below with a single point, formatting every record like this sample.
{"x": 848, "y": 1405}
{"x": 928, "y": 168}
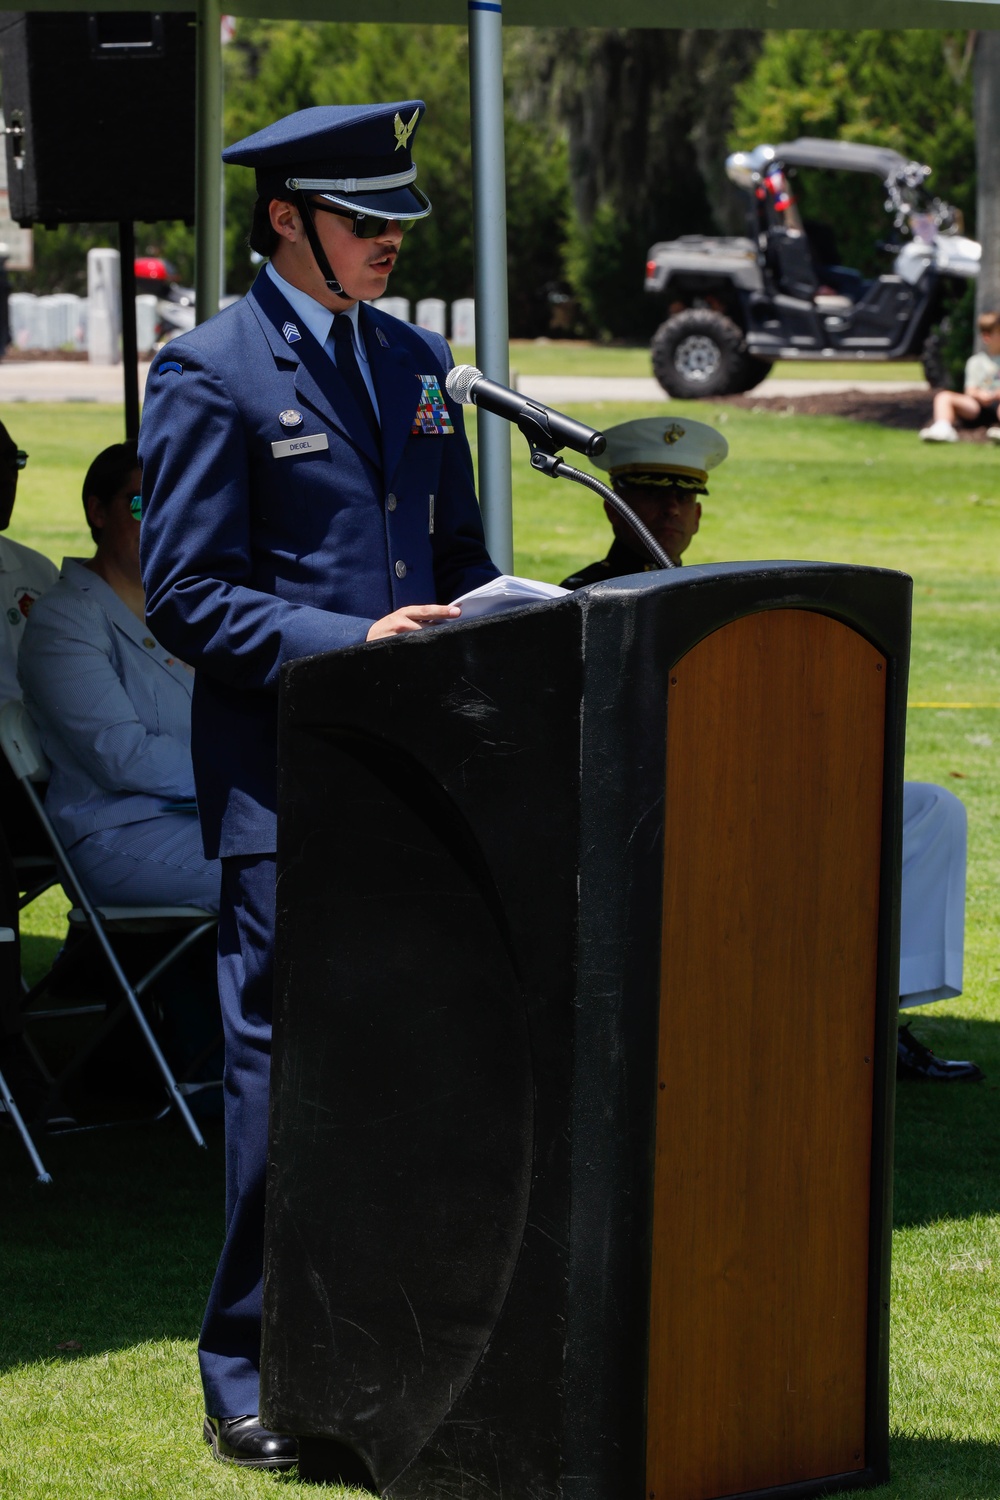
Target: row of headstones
{"x": 65, "y": 321}
{"x": 62, "y": 321}
{"x": 431, "y": 312}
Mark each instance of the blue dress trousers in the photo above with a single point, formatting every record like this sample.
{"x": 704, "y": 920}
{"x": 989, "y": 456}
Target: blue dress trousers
{"x": 275, "y": 527}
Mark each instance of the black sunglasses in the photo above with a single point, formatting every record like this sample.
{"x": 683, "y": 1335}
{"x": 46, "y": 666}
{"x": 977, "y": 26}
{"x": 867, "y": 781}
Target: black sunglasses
{"x": 22, "y": 458}
{"x": 365, "y": 227}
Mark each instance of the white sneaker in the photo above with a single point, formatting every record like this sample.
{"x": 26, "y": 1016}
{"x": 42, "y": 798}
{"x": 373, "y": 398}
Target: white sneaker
{"x": 993, "y": 433}
{"x": 939, "y": 432}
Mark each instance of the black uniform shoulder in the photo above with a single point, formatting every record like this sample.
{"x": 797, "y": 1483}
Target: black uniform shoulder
{"x": 595, "y": 573}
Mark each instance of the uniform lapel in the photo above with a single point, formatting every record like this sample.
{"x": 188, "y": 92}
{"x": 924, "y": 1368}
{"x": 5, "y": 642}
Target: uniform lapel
{"x": 118, "y": 612}
{"x": 317, "y": 382}
{"x": 397, "y": 386}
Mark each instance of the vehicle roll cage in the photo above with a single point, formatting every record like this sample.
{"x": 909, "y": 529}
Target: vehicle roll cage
{"x": 903, "y": 179}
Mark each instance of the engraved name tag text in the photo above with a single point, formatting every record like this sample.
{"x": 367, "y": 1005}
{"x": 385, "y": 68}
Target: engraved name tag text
{"x": 288, "y": 447}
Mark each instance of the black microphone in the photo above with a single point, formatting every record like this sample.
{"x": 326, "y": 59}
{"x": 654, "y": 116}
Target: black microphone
{"x": 540, "y": 424}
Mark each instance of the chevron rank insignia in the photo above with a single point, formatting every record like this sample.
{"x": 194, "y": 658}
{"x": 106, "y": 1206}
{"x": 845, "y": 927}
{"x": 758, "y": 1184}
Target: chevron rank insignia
{"x": 292, "y": 334}
{"x": 432, "y": 415}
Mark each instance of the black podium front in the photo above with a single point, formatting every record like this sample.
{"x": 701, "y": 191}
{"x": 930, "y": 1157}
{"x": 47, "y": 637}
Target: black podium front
{"x": 587, "y": 979}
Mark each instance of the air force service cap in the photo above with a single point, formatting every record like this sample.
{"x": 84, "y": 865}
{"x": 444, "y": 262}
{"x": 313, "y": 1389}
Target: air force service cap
{"x": 356, "y": 156}
{"x": 662, "y": 451}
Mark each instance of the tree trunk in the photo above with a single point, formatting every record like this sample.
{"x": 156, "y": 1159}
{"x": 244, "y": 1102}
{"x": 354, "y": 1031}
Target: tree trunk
{"x": 986, "y": 79}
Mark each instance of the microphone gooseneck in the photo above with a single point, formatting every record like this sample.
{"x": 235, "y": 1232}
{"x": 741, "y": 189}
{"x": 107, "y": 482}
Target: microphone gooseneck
{"x": 547, "y": 431}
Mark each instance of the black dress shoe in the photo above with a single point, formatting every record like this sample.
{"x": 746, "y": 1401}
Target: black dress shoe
{"x": 917, "y": 1063}
{"x": 242, "y": 1440}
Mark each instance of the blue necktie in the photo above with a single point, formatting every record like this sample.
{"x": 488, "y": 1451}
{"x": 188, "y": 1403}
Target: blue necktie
{"x": 346, "y": 360}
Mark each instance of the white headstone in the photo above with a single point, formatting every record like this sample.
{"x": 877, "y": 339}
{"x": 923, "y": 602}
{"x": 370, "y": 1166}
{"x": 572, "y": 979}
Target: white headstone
{"x": 21, "y": 312}
{"x": 432, "y": 313}
{"x": 396, "y": 307}
{"x": 104, "y": 296}
{"x": 463, "y": 322}
{"x": 50, "y": 322}
{"x": 145, "y": 322}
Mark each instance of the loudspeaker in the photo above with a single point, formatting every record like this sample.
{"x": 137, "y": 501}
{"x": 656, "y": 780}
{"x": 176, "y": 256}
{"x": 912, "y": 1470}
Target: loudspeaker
{"x": 100, "y": 113}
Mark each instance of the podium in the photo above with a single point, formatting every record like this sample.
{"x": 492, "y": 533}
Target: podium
{"x": 581, "y": 1126}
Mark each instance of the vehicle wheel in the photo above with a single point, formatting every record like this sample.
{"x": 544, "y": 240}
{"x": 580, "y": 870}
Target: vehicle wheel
{"x": 698, "y": 353}
{"x": 752, "y": 371}
{"x": 935, "y": 367}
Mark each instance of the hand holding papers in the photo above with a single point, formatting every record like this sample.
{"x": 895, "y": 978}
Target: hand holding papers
{"x": 506, "y": 592}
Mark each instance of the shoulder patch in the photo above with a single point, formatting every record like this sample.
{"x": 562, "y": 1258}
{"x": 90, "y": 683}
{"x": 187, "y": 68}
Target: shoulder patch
{"x": 169, "y": 364}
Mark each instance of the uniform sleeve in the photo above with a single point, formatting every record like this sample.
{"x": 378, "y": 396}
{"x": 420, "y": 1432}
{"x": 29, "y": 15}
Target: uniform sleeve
{"x": 461, "y": 561}
{"x": 196, "y": 543}
{"x": 73, "y": 691}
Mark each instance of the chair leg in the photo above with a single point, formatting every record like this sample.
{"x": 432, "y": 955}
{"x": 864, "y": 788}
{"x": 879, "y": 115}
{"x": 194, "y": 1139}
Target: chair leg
{"x": 8, "y": 1102}
{"x": 176, "y": 1097}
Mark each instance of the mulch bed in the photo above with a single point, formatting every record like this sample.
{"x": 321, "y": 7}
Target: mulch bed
{"x": 909, "y": 410}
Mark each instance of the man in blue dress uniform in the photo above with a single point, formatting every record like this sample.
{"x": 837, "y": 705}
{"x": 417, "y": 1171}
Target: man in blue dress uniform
{"x": 306, "y": 487}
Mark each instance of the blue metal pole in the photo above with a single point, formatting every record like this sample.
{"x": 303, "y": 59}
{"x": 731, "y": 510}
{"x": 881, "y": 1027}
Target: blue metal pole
{"x": 490, "y": 230}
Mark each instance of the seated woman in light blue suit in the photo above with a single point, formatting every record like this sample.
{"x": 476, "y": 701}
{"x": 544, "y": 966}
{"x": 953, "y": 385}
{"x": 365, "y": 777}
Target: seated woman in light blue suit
{"x": 114, "y": 712}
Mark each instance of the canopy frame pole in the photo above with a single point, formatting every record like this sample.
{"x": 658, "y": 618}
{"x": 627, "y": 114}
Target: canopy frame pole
{"x": 208, "y": 161}
{"x": 130, "y": 340}
{"x": 489, "y": 196}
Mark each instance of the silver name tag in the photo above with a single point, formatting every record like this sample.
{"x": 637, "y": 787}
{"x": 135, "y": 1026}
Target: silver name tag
{"x": 288, "y": 447}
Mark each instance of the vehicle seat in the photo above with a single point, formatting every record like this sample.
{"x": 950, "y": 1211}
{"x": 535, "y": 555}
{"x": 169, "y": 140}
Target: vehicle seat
{"x": 791, "y": 263}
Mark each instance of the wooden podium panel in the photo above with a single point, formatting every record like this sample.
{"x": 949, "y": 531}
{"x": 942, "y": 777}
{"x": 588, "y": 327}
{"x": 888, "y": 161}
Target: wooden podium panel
{"x": 760, "y": 1258}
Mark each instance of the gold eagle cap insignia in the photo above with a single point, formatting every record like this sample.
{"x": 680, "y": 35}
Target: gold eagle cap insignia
{"x": 673, "y": 434}
{"x": 403, "y": 132}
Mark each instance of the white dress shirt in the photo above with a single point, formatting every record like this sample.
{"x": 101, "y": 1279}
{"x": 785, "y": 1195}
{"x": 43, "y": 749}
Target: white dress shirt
{"x": 24, "y": 577}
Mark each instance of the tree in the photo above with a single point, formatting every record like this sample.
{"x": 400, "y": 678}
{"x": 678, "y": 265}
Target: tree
{"x": 646, "y": 114}
{"x": 986, "y": 73}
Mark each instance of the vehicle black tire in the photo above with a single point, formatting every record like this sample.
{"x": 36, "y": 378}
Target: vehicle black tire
{"x": 935, "y": 367}
{"x": 698, "y": 352}
{"x": 752, "y": 372}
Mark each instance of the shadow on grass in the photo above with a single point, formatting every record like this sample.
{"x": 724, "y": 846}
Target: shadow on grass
{"x": 941, "y": 1469}
{"x": 119, "y": 1249}
{"x": 947, "y": 1157}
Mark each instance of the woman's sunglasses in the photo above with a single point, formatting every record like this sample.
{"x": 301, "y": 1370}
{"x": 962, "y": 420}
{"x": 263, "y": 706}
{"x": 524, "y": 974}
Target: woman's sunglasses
{"x": 365, "y": 227}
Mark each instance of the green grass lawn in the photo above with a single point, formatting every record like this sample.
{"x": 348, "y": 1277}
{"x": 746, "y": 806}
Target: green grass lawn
{"x": 117, "y": 1255}
{"x": 579, "y": 357}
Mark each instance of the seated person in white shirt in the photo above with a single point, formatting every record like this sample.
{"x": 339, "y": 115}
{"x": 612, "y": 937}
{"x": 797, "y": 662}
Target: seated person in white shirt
{"x": 660, "y": 467}
{"x": 24, "y": 577}
{"x": 114, "y": 713}
{"x": 978, "y": 404}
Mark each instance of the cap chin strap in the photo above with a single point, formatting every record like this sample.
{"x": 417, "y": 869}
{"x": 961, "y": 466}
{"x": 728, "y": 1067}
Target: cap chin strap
{"x": 325, "y": 269}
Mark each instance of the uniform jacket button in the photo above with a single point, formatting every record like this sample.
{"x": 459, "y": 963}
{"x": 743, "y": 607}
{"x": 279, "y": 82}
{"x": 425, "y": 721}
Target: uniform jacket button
{"x": 401, "y": 570}
{"x": 391, "y": 502}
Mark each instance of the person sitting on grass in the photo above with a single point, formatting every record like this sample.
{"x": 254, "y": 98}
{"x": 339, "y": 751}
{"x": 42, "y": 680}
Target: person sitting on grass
{"x": 977, "y": 406}
{"x": 659, "y": 466}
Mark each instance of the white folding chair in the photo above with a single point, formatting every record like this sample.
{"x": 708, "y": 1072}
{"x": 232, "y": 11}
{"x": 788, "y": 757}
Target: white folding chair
{"x": 20, "y": 743}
